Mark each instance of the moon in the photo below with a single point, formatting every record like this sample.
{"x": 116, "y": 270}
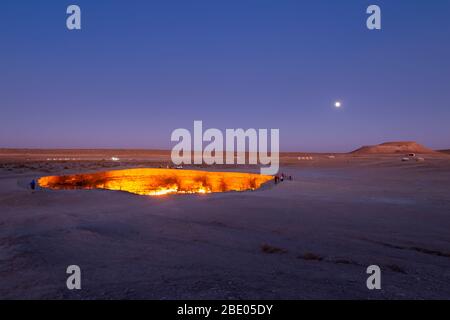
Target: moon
{"x": 337, "y": 104}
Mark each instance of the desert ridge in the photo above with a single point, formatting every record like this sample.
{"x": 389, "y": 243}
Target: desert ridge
{"x": 395, "y": 148}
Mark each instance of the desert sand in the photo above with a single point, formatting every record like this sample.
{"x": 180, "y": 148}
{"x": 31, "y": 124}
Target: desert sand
{"x": 312, "y": 237}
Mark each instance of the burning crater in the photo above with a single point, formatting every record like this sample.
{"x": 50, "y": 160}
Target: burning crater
{"x": 154, "y": 182}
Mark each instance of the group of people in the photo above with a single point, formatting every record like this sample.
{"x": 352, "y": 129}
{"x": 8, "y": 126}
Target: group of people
{"x": 282, "y": 177}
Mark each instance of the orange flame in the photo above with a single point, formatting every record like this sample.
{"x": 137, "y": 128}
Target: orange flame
{"x": 156, "y": 182}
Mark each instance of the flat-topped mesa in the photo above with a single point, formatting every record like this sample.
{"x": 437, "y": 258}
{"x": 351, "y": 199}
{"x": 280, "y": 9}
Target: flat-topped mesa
{"x": 394, "y": 148}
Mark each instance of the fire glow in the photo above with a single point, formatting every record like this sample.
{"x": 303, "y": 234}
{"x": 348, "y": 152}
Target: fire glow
{"x": 158, "y": 182}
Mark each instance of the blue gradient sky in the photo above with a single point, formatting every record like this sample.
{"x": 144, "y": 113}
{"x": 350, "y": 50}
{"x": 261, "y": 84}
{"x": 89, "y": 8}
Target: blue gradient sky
{"x": 140, "y": 69}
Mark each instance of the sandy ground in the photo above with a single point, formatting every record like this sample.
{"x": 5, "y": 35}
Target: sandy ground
{"x": 336, "y": 218}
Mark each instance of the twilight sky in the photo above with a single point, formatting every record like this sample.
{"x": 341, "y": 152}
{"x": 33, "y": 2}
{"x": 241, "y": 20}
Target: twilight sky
{"x": 140, "y": 69}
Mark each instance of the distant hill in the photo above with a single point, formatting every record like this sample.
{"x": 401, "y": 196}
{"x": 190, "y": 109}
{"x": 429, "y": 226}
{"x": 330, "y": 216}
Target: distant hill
{"x": 445, "y": 151}
{"x": 393, "y": 148}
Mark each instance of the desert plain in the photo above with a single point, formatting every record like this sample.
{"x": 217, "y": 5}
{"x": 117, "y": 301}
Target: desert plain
{"x": 309, "y": 238}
